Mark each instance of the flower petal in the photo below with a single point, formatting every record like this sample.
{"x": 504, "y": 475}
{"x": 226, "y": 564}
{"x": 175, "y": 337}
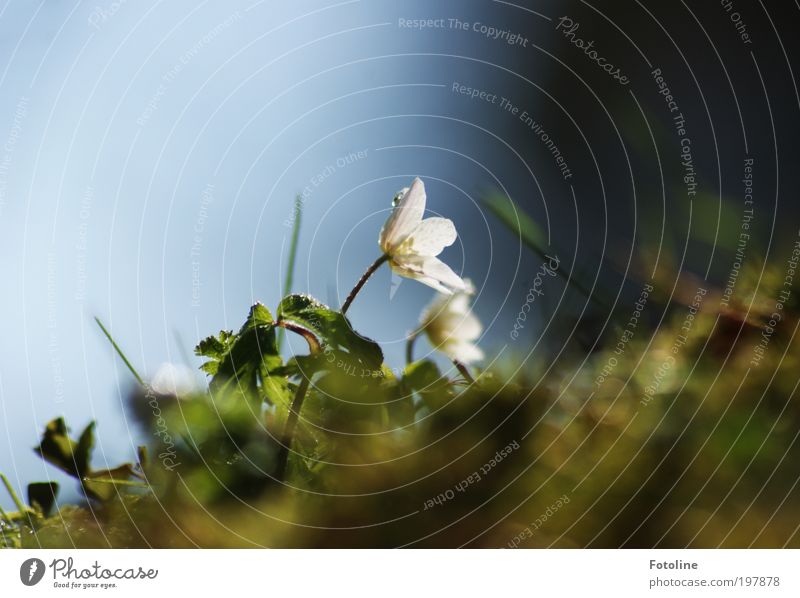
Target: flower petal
{"x": 462, "y": 351}
{"x": 459, "y": 304}
{"x": 405, "y": 217}
{"x": 438, "y": 270}
{"x": 430, "y": 237}
{"x": 451, "y": 328}
{"x": 426, "y": 280}
{"x": 448, "y": 318}
{"x": 428, "y": 270}
{"x": 434, "y": 309}
{"x": 463, "y": 327}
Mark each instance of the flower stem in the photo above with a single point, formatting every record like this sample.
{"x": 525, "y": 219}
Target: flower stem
{"x": 291, "y": 425}
{"x": 370, "y": 271}
{"x": 410, "y": 347}
{"x": 313, "y": 343}
{"x": 314, "y": 348}
{"x": 464, "y": 371}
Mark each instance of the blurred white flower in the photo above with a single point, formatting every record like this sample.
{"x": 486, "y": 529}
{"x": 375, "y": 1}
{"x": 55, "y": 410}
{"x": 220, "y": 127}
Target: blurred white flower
{"x": 452, "y": 327}
{"x": 412, "y": 243}
{"x": 174, "y": 379}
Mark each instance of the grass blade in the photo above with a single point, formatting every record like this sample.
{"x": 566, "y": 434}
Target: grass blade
{"x": 292, "y": 258}
{"x": 531, "y": 235}
{"x": 518, "y": 222}
{"x": 119, "y": 352}
{"x": 10, "y": 489}
{"x": 4, "y": 516}
{"x": 115, "y": 482}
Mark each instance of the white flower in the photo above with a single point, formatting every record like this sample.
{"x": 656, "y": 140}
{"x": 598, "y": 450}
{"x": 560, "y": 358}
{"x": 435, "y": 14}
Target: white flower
{"x": 451, "y": 326}
{"x": 412, "y": 243}
{"x": 174, "y": 379}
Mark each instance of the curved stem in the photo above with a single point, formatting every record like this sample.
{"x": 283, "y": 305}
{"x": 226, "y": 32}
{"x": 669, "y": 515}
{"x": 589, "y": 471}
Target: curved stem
{"x": 291, "y": 425}
{"x": 464, "y": 371}
{"x": 313, "y": 343}
{"x": 410, "y": 347}
{"x": 314, "y": 347}
{"x": 370, "y": 271}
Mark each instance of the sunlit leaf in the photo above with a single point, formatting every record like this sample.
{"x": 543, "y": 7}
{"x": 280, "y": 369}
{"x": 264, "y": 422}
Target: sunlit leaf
{"x": 245, "y": 361}
{"x": 333, "y": 329}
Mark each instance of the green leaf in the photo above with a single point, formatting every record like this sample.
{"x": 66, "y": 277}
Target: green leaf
{"x": 259, "y": 316}
{"x": 83, "y": 452}
{"x": 333, "y": 329}
{"x": 57, "y": 448}
{"x": 42, "y": 496}
{"x": 245, "y": 362}
{"x": 215, "y": 348}
{"x": 74, "y": 458}
{"x": 277, "y": 391}
{"x": 115, "y": 482}
{"x": 304, "y": 310}
{"x": 427, "y": 381}
{"x": 424, "y": 375}
{"x": 102, "y": 484}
